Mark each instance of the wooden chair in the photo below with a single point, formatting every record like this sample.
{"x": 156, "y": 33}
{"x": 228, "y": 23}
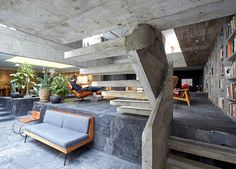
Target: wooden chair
{"x": 81, "y": 95}
{"x": 180, "y": 94}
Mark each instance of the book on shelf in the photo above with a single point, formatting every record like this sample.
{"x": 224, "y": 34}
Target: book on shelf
{"x": 233, "y": 70}
{"x": 221, "y": 84}
{"x": 231, "y": 27}
{"x": 221, "y": 53}
{"x": 231, "y": 91}
{"x": 230, "y": 49}
{"x": 232, "y": 109}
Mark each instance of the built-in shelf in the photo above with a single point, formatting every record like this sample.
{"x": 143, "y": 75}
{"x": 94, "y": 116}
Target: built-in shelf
{"x": 232, "y": 58}
{"x": 233, "y": 78}
{"x": 233, "y": 100}
{"x": 231, "y": 37}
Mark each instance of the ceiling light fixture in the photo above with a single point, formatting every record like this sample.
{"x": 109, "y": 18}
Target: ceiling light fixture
{"x": 196, "y": 40}
{"x": 5, "y": 26}
{"x": 14, "y": 29}
{"x": 38, "y": 62}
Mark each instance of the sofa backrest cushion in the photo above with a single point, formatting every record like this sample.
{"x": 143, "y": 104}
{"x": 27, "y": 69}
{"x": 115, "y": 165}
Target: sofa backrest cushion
{"x": 77, "y": 123}
{"x": 53, "y": 117}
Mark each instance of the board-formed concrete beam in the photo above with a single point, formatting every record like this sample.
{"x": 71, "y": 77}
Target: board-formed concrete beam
{"x": 117, "y": 83}
{"x": 134, "y": 110}
{"x": 124, "y": 94}
{"x": 133, "y": 103}
{"x": 111, "y": 69}
{"x": 141, "y": 36}
{"x": 216, "y": 152}
{"x": 177, "y": 162}
{"x": 98, "y": 51}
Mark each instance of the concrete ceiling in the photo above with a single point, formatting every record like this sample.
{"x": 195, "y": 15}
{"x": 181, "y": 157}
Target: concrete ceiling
{"x": 196, "y": 40}
{"x": 67, "y": 21}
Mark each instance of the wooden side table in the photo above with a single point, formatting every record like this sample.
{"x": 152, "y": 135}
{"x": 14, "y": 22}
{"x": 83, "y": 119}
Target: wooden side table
{"x": 20, "y": 122}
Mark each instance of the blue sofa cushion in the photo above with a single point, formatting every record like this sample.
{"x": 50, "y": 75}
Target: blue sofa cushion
{"x": 60, "y": 136}
{"x": 76, "y": 123}
{"x": 53, "y": 117}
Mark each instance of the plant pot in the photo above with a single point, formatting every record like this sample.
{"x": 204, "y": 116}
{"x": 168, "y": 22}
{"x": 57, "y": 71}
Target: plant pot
{"x": 55, "y": 99}
{"x": 15, "y": 95}
{"x": 44, "y": 95}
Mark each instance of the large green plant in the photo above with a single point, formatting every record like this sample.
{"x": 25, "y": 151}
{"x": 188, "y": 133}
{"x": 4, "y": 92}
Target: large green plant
{"x": 44, "y": 82}
{"x": 59, "y": 86}
{"x": 22, "y": 77}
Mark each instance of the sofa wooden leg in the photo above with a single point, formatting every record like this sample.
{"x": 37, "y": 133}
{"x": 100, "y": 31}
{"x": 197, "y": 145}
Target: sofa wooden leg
{"x": 25, "y": 138}
{"x": 65, "y": 159}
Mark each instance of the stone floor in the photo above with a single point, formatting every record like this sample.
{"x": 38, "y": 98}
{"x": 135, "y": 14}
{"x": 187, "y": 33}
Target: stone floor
{"x": 15, "y": 154}
{"x": 203, "y": 121}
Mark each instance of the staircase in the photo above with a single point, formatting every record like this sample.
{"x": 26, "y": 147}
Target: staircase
{"x": 215, "y": 152}
{"x": 4, "y": 114}
{"x": 137, "y": 46}
{"x": 147, "y": 59}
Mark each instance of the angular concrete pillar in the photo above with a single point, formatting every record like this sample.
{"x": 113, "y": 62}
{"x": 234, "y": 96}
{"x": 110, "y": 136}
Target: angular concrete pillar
{"x": 147, "y": 55}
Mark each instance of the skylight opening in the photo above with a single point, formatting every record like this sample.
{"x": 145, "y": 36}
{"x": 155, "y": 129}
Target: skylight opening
{"x": 171, "y": 42}
{"x": 38, "y": 62}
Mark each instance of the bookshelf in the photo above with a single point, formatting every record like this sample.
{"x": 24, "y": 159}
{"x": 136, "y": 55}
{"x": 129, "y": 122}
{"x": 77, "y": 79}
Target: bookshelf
{"x": 230, "y": 51}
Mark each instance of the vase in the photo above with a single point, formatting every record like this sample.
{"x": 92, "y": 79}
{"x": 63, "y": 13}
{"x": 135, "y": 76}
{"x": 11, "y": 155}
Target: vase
{"x": 55, "y": 99}
{"x": 15, "y": 95}
{"x": 44, "y": 95}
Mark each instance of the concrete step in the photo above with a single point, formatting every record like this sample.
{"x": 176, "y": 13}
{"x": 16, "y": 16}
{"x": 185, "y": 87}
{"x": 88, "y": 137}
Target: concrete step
{"x": 101, "y": 50}
{"x": 2, "y": 109}
{"x": 111, "y": 69}
{"x": 5, "y": 113}
{"x": 125, "y": 94}
{"x": 133, "y": 103}
{"x": 6, "y": 118}
{"x": 176, "y": 162}
{"x": 207, "y": 150}
{"x": 134, "y": 110}
{"x": 117, "y": 83}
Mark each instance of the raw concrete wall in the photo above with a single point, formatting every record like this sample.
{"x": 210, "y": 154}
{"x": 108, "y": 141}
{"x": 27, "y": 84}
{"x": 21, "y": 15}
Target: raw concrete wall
{"x": 157, "y": 130}
{"x": 23, "y": 44}
{"x": 18, "y": 106}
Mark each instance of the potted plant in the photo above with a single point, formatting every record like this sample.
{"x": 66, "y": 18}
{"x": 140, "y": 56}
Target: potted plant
{"x": 14, "y": 87}
{"x": 42, "y": 87}
{"x": 58, "y": 88}
{"x": 21, "y": 79}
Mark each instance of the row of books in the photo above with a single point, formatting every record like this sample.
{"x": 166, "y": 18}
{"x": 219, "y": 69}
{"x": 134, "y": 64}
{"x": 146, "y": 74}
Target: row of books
{"x": 233, "y": 69}
{"x": 231, "y": 26}
{"x": 231, "y": 47}
{"x": 231, "y": 91}
{"x": 232, "y": 109}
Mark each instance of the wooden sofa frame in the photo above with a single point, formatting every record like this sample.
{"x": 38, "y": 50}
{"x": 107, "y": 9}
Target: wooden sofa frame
{"x": 66, "y": 151}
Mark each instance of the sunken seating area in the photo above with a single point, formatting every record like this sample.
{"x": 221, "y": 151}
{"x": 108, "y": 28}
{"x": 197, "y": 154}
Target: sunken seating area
{"x": 62, "y": 131}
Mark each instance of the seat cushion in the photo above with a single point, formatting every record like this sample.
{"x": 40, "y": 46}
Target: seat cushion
{"x": 53, "y": 117}
{"x": 76, "y": 123}
{"x": 63, "y": 137}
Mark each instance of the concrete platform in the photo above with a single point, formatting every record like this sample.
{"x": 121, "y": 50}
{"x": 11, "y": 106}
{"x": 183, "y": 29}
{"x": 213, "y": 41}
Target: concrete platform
{"x": 116, "y": 133}
{"x": 203, "y": 121}
{"x": 15, "y": 154}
